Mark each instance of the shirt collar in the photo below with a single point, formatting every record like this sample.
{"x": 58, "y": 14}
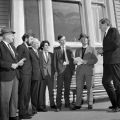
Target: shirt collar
{"x": 6, "y": 43}
{"x": 63, "y": 46}
{"x": 85, "y": 46}
{"x": 45, "y": 51}
{"x": 26, "y": 44}
{"x": 34, "y": 49}
{"x": 107, "y": 30}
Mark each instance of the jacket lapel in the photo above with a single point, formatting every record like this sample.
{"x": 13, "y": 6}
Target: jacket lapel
{"x": 9, "y": 50}
{"x": 49, "y": 57}
{"x": 107, "y": 34}
{"x": 80, "y": 52}
{"x": 25, "y": 47}
{"x": 86, "y": 51}
{"x": 35, "y": 54}
{"x": 43, "y": 57}
{"x": 60, "y": 50}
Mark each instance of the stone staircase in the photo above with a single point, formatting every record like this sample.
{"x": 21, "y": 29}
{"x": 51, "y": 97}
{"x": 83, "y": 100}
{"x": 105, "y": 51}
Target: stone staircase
{"x": 98, "y": 90}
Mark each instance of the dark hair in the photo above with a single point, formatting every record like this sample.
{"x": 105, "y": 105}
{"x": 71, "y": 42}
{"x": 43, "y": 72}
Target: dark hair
{"x": 105, "y": 20}
{"x": 27, "y": 35}
{"x": 60, "y": 36}
{"x": 43, "y": 44}
{"x": 82, "y": 35}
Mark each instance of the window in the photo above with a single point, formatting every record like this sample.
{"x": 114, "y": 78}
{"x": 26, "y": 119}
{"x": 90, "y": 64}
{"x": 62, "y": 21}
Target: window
{"x": 99, "y": 12}
{"x": 67, "y": 20}
{"x": 32, "y": 17}
{"x": 5, "y": 13}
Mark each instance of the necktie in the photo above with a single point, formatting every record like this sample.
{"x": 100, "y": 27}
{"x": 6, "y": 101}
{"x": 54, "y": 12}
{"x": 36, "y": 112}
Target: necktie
{"x": 11, "y": 50}
{"x": 37, "y": 53}
{"x": 65, "y": 55}
{"x": 104, "y": 35}
{"x": 46, "y": 56}
{"x": 63, "y": 51}
{"x": 83, "y": 52}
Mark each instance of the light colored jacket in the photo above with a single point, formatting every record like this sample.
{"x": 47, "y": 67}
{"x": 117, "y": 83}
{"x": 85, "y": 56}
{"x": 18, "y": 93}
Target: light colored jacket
{"x": 90, "y": 56}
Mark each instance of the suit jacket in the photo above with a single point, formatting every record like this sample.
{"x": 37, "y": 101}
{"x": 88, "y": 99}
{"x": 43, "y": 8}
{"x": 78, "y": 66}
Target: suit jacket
{"x": 23, "y": 52}
{"x": 90, "y": 56}
{"x": 59, "y": 59}
{"x": 37, "y": 69}
{"x": 111, "y": 47}
{"x": 48, "y": 68}
{"x": 6, "y": 60}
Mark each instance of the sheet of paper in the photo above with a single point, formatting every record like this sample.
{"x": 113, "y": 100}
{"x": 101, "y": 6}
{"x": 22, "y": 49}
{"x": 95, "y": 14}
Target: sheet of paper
{"x": 78, "y": 60}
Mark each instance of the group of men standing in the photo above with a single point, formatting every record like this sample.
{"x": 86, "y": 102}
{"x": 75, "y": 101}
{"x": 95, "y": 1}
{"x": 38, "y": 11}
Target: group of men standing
{"x": 25, "y": 72}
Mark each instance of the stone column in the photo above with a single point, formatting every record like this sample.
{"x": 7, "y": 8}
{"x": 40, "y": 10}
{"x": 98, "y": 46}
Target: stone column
{"x": 18, "y": 20}
{"x": 48, "y": 22}
{"x": 89, "y": 21}
{"x": 41, "y": 20}
{"x": 111, "y": 12}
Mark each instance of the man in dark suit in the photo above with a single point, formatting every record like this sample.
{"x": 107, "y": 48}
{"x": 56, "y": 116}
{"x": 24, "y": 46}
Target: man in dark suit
{"x": 37, "y": 73}
{"x": 111, "y": 63}
{"x": 8, "y": 76}
{"x": 25, "y": 76}
{"x": 1, "y": 37}
{"x": 64, "y": 68}
{"x": 48, "y": 70}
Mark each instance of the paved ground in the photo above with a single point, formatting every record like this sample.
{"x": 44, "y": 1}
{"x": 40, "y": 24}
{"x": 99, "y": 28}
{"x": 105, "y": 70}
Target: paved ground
{"x": 98, "y": 113}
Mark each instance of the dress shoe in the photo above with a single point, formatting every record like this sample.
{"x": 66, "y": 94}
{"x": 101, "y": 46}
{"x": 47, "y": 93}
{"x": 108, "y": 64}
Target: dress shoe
{"x": 90, "y": 107}
{"x": 42, "y": 110}
{"x": 25, "y": 116}
{"x": 13, "y": 118}
{"x": 58, "y": 109}
{"x": 53, "y": 107}
{"x": 114, "y": 109}
{"x": 34, "y": 112}
{"x": 111, "y": 107}
{"x": 30, "y": 114}
{"x": 67, "y": 105}
{"x": 76, "y": 107}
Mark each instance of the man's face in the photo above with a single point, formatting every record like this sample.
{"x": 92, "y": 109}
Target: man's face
{"x": 103, "y": 27}
{"x": 84, "y": 41}
{"x": 9, "y": 37}
{"x": 1, "y": 38}
{"x": 62, "y": 41}
{"x": 46, "y": 47}
{"x": 36, "y": 44}
{"x": 29, "y": 40}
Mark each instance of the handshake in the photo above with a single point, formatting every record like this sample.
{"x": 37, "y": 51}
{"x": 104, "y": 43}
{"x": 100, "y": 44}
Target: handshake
{"x": 79, "y": 61}
{"x": 20, "y": 63}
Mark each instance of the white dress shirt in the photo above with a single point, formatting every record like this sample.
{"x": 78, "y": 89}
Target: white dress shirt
{"x": 45, "y": 53}
{"x": 10, "y": 48}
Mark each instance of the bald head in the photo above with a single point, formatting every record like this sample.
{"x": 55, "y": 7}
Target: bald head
{"x": 35, "y": 43}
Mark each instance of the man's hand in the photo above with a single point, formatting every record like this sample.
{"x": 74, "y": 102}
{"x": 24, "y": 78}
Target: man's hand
{"x": 21, "y": 62}
{"x": 84, "y": 62}
{"x": 14, "y": 65}
{"x": 78, "y": 60}
{"x": 100, "y": 51}
{"x": 65, "y": 63}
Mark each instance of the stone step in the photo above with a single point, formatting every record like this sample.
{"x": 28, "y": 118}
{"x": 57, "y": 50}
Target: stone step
{"x": 98, "y": 90}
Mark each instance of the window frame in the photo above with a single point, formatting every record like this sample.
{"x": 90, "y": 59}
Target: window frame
{"x": 74, "y": 43}
{"x": 9, "y": 15}
{"x": 104, "y": 15}
{"x": 103, "y": 4}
